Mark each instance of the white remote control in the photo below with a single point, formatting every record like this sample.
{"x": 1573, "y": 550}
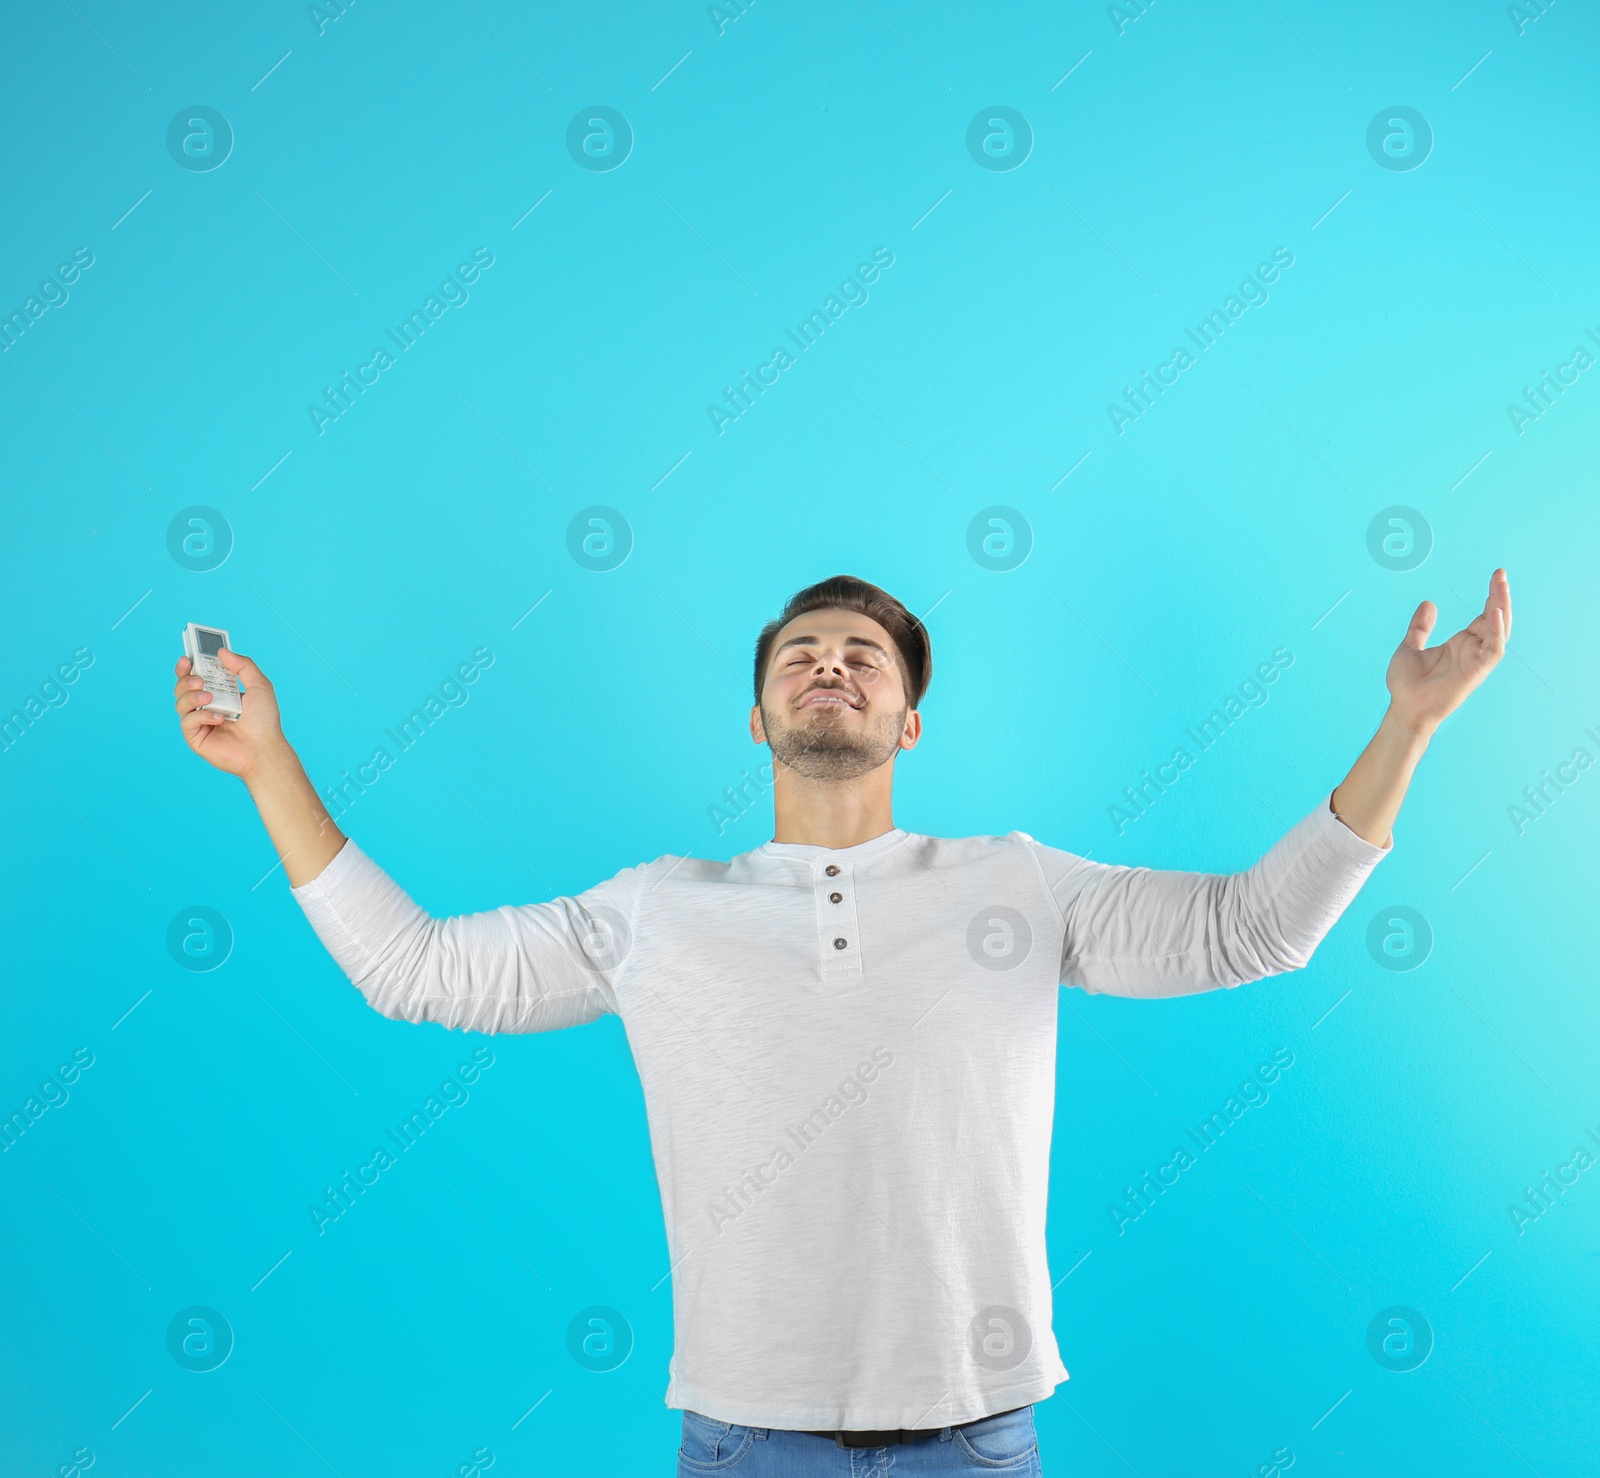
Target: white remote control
{"x": 202, "y": 643}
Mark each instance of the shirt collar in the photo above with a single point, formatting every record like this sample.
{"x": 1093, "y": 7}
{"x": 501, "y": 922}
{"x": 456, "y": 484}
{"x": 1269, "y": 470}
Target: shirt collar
{"x": 810, "y": 852}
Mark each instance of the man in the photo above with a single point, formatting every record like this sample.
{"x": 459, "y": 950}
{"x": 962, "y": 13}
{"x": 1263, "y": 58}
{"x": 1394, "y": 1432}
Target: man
{"x": 846, "y": 1037}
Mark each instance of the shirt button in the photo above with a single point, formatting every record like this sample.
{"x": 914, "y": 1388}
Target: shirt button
{"x": 836, "y": 898}
{"x": 831, "y": 870}
{"x": 841, "y": 943}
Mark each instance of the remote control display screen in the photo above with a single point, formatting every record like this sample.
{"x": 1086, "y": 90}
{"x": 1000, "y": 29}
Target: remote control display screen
{"x": 210, "y": 642}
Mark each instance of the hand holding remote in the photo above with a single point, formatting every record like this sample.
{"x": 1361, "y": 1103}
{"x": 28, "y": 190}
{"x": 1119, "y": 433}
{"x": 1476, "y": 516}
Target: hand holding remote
{"x": 238, "y": 747}
{"x": 253, "y": 748}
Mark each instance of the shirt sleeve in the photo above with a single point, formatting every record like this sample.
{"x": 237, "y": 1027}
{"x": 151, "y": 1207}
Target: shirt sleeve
{"x": 529, "y": 968}
{"x": 1132, "y": 931}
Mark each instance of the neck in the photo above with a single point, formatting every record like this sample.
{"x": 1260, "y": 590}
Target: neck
{"x": 832, "y": 813}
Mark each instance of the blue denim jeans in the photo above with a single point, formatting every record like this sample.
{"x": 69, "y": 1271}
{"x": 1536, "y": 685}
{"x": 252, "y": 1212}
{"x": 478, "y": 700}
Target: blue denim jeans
{"x": 1004, "y": 1444}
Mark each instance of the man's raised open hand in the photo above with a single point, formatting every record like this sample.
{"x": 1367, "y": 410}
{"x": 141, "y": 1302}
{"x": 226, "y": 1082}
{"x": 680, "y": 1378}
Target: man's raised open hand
{"x": 1427, "y": 684}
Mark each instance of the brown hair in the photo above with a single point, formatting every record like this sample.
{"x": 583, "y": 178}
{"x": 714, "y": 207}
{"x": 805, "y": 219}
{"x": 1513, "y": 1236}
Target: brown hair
{"x": 847, "y": 593}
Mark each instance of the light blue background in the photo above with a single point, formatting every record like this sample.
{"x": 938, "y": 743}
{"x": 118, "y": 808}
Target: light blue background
{"x": 369, "y": 560}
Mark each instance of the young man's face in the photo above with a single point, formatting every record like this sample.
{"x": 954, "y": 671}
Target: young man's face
{"x": 833, "y": 705}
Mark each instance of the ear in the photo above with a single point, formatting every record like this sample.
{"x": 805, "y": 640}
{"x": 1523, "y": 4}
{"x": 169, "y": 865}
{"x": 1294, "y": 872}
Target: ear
{"x": 757, "y": 732}
{"x": 912, "y": 731}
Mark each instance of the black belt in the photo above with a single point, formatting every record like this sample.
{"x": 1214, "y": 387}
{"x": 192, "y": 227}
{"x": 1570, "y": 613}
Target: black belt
{"x": 895, "y": 1437}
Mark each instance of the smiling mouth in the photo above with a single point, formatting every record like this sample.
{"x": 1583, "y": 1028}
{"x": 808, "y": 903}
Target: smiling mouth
{"x": 827, "y": 698}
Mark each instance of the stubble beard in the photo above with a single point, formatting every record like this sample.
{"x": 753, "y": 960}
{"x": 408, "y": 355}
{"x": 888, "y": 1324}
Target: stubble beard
{"x": 822, "y": 748}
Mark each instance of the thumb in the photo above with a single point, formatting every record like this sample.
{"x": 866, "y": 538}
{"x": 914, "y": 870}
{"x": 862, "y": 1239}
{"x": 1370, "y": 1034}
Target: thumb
{"x": 242, "y": 666}
{"x": 1422, "y": 620}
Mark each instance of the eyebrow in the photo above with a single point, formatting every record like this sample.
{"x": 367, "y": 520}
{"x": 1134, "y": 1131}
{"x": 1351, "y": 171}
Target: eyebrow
{"x": 849, "y": 641}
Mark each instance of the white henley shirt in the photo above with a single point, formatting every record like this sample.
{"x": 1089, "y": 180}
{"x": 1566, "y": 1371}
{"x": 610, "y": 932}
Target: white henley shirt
{"x": 848, "y": 1064}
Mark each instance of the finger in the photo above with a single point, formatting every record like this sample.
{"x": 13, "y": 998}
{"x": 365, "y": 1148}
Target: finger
{"x": 186, "y": 684}
{"x": 1489, "y": 626}
{"x": 1500, "y": 602}
{"x": 200, "y": 719}
{"x": 193, "y": 698}
{"x": 1422, "y": 620}
{"x": 237, "y": 662}
{"x": 182, "y": 666}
